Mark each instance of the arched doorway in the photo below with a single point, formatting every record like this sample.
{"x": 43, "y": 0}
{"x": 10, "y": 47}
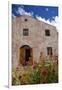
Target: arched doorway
{"x": 26, "y": 55}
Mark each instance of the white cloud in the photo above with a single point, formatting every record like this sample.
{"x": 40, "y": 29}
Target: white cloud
{"x": 13, "y": 16}
{"x": 46, "y": 9}
{"x": 21, "y": 11}
{"x": 40, "y": 18}
{"x": 53, "y": 22}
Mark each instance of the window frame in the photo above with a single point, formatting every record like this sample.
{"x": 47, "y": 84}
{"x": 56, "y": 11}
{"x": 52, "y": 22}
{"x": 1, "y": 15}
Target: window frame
{"x": 25, "y": 32}
{"x": 47, "y": 32}
{"x": 49, "y": 51}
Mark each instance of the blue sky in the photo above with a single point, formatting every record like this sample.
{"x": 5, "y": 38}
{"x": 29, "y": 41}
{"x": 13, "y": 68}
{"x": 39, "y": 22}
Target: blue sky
{"x": 39, "y": 12}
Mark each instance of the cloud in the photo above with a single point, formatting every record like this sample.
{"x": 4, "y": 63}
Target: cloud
{"x": 40, "y": 18}
{"x": 13, "y": 16}
{"x": 21, "y": 11}
{"x": 46, "y": 9}
{"x": 52, "y": 22}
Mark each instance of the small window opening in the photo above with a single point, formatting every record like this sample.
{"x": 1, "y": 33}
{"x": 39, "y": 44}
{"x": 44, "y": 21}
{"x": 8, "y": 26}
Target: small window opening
{"x": 25, "y": 19}
{"x": 47, "y": 32}
{"x": 25, "y": 32}
{"x": 49, "y": 50}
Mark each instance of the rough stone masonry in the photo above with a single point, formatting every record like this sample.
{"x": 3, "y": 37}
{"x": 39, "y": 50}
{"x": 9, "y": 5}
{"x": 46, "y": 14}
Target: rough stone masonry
{"x": 41, "y": 37}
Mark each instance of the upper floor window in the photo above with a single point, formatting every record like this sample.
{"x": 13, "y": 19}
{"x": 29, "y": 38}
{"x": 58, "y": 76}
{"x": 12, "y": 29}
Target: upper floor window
{"x": 47, "y": 32}
{"x": 49, "y": 50}
{"x": 25, "y": 32}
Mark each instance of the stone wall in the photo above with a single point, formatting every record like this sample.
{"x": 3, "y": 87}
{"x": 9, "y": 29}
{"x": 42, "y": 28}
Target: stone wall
{"x": 36, "y": 39}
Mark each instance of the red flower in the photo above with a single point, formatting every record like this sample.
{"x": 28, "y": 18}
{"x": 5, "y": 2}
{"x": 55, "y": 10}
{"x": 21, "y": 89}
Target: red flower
{"x": 34, "y": 66}
{"x": 45, "y": 81}
{"x": 44, "y": 72}
{"x": 17, "y": 68}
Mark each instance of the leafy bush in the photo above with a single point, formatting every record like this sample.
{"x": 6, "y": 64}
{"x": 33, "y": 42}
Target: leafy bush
{"x": 36, "y": 74}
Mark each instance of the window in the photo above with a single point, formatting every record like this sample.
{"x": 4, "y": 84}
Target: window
{"x": 25, "y": 32}
{"x": 25, "y": 19}
{"x": 47, "y": 32}
{"x": 49, "y": 50}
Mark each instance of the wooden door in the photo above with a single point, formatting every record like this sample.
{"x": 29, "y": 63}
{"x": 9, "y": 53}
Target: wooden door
{"x": 22, "y": 56}
{"x": 31, "y": 57}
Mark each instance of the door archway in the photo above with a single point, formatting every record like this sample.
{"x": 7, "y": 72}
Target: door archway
{"x": 26, "y": 55}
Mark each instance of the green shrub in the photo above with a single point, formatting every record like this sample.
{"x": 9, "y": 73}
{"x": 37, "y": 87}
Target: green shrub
{"x": 40, "y": 73}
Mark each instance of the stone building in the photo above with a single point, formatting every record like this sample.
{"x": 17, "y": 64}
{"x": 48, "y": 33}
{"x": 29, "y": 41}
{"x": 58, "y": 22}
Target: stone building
{"x": 31, "y": 39}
